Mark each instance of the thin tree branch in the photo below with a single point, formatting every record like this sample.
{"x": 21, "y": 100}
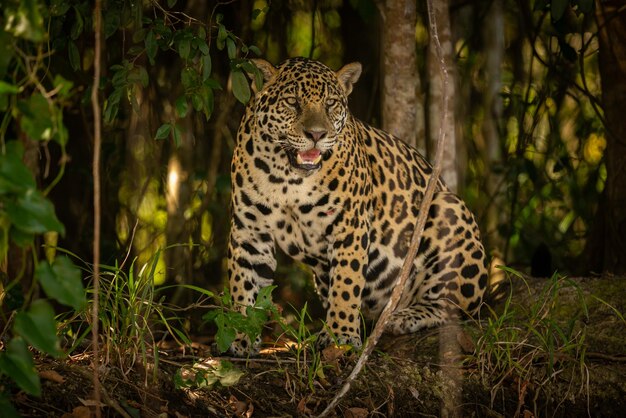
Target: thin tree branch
{"x": 97, "y": 144}
{"x": 417, "y": 232}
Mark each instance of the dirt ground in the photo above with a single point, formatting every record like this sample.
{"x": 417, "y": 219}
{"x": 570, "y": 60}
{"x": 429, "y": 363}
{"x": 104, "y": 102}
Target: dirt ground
{"x": 406, "y": 376}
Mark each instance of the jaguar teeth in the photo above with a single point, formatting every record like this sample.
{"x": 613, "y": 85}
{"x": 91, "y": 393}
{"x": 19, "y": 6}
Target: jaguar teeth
{"x": 300, "y": 161}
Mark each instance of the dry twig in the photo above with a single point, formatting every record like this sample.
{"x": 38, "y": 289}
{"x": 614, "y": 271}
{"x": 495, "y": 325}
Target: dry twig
{"x": 417, "y": 232}
{"x": 97, "y": 142}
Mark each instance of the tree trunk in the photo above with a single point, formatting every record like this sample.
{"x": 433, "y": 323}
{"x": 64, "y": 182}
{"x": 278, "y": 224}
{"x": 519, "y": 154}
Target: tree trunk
{"x": 449, "y": 163}
{"x": 493, "y": 35}
{"x": 399, "y": 68}
{"x": 608, "y": 240}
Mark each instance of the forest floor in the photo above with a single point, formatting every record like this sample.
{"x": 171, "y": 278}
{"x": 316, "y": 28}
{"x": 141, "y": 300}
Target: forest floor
{"x": 552, "y": 350}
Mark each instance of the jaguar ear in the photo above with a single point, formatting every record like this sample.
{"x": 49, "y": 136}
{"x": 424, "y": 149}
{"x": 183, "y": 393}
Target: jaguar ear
{"x": 348, "y": 75}
{"x": 267, "y": 73}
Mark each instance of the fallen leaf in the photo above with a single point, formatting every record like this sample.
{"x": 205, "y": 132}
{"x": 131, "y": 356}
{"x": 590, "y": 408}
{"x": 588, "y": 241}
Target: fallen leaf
{"x": 90, "y": 402}
{"x": 52, "y": 376}
{"x": 78, "y": 412}
{"x": 333, "y": 352}
{"x": 239, "y": 407}
{"x": 302, "y": 408}
{"x": 355, "y": 413}
{"x": 250, "y": 410}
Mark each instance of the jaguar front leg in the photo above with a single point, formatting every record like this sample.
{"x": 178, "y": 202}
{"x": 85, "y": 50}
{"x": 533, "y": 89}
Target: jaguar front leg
{"x": 349, "y": 254}
{"x": 251, "y": 266}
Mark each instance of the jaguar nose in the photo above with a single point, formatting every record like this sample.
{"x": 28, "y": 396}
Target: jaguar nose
{"x": 315, "y": 135}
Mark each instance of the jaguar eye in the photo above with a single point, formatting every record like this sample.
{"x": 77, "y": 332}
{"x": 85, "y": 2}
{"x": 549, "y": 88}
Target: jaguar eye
{"x": 331, "y": 102}
{"x": 291, "y": 101}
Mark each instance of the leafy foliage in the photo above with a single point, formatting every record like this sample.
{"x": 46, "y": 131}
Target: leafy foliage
{"x": 207, "y": 374}
{"x": 230, "y": 320}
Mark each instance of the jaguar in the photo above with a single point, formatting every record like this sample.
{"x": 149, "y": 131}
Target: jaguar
{"x": 342, "y": 197}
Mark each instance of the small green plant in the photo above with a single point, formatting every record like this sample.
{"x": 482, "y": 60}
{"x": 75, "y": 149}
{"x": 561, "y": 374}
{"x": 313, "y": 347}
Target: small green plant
{"x": 130, "y": 311}
{"x": 230, "y": 320}
{"x": 207, "y": 374}
{"x": 531, "y": 344}
{"x": 308, "y": 358}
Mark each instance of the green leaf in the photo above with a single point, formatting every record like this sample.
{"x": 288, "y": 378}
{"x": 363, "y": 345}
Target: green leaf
{"x": 59, "y": 7}
{"x": 38, "y": 327}
{"x": 177, "y": 136}
{"x": 6, "y": 88}
{"x": 206, "y": 67}
{"x": 241, "y": 89}
{"x": 181, "y": 106}
{"x": 33, "y": 213}
{"x": 163, "y": 131}
{"x": 79, "y": 23}
{"x": 188, "y": 78}
{"x": 264, "y": 298}
{"x": 197, "y": 102}
{"x": 221, "y": 37}
{"x": 36, "y": 120}
{"x": 26, "y": 22}
{"x": 209, "y": 101}
{"x": 63, "y": 86}
{"x": 225, "y": 333}
{"x": 15, "y": 177}
{"x": 17, "y": 363}
{"x": 255, "y": 49}
{"x": 151, "y": 46}
{"x": 8, "y": 411}
{"x": 184, "y": 47}
{"x": 202, "y": 46}
{"x": 112, "y": 21}
{"x": 231, "y": 48}
{"x": 74, "y": 55}
{"x": 20, "y": 238}
{"x": 557, "y": 9}
{"x": 62, "y": 282}
{"x": 171, "y": 3}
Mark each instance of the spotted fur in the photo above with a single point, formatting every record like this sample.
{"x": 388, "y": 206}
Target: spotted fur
{"x": 342, "y": 197}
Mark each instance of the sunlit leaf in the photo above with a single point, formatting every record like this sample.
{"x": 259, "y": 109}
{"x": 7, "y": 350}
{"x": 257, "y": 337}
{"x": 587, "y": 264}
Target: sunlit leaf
{"x": 15, "y": 177}
{"x": 181, "y": 106}
{"x": 62, "y": 281}
{"x": 36, "y": 120}
{"x": 6, "y": 88}
{"x": 38, "y": 327}
{"x": 177, "y": 135}
{"x": 241, "y": 89}
{"x": 33, "y": 213}
{"x": 25, "y": 22}
{"x": 62, "y": 86}
{"x": 17, "y": 363}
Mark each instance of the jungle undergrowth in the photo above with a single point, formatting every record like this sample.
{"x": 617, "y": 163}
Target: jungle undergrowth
{"x": 530, "y": 346}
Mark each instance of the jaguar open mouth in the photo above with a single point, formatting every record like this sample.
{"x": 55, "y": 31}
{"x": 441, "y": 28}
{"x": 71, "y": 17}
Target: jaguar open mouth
{"x": 305, "y": 160}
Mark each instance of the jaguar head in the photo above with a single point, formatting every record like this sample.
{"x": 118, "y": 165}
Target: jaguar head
{"x": 303, "y": 107}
